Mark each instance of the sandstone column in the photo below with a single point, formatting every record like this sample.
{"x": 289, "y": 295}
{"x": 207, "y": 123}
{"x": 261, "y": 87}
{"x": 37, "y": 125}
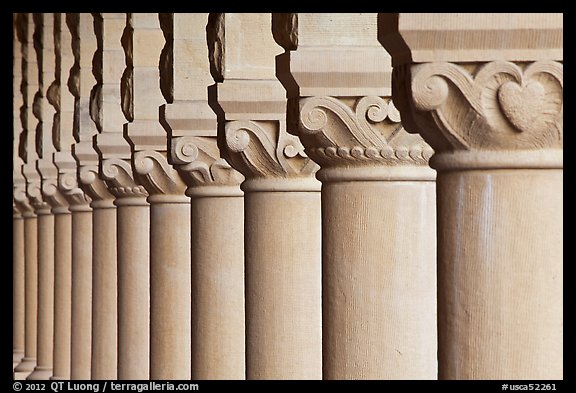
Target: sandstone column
{"x": 281, "y": 202}
{"x": 30, "y": 193}
{"x": 46, "y": 102}
{"x": 103, "y": 360}
{"x": 217, "y": 227}
{"x": 132, "y": 215}
{"x": 82, "y": 229}
{"x": 68, "y": 186}
{"x": 486, "y": 91}
{"x": 378, "y": 199}
{"x": 170, "y": 275}
{"x": 20, "y": 203}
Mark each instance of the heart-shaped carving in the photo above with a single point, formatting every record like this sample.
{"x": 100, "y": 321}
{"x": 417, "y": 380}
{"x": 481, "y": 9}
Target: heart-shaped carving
{"x": 522, "y": 105}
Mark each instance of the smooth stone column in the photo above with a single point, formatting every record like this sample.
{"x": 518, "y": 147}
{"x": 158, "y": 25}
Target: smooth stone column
{"x": 218, "y": 284}
{"x": 283, "y": 246}
{"x": 378, "y": 295}
{"x": 81, "y": 292}
{"x": 133, "y": 222}
{"x": 18, "y": 288}
{"x": 170, "y": 272}
{"x": 104, "y": 291}
{"x": 512, "y": 208}
{"x": 62, "y": 293}
{"x": 28, "y": 362}
{"x": 45, "y": 316}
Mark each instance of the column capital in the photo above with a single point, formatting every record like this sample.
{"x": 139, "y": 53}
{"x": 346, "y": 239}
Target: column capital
{"x": 120, "y": 180}
{"x": 95, "y": 187}
{"x": 194, "y": 150}
{"x": 114, "y": 150}
{"x": 162, "y": 182}
{"x": 187, "y": 118}
{"x": 21, "y": 199}
{"x": 338, "y": 79}
{"x": 493, "y": 100}
{"x": 252, "y": 104}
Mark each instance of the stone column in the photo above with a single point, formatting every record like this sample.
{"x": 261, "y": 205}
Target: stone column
{"x": 104, "y": 271}
{"x": 281, "y": 201}
{"x": 68, "y": 186}
{"x": 170, "y": 275}
{"x": 20, "y": 203}
{"x": 30, "y": 193}
{"x": 132, "y": 215}
{"x": 80, "y": 83}
{"x": 47, "y": 100}
{"x": 217, "y": 228}
{"x": 378, "y": 199}
{"x": 17, "y": 286}
{"x": 486, "y": 91}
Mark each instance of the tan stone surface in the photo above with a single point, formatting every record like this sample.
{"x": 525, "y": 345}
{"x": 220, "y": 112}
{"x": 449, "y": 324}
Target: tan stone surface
{"x": 500, "y": 274}
{"x": 28, "y": 362}
{"x": 496, "y": 125}
{"x": 379, "y": 314}
{"x": 218, "y": 322}
{"x": 170, "y": 301}
{"x": 425, "y": 37}
{"x": 283, "y": 303}
{"x": 133, "y": 289}
{"x": 18, "y": 181}
{"x": 62, "y": 295}
{"x": 81, "y": 338}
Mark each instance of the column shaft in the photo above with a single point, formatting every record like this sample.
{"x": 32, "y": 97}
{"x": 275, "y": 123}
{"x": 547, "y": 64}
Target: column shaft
{"x": 170, "y": 295}
{"x": 28, "y": 362}
{"x": 18, "y": 290}
{"x": 500, "y": 242}
{"x": 104, "y": 294}
{"x": 283, "y": 286}
{"x": 81, "y": 294}
{"x": 218, "y": 288}
{"x": 133, "y": 290}
{"x": 45, "y": 336}
{"x": 62, "y": 295}
{"x": 379, "y": 308}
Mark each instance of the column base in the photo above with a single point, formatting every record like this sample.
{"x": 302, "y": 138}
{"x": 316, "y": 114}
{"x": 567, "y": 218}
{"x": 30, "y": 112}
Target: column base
{"x": 57, "y": 378}
{"x": 16, "y": 358}
{"x": 40, "y": 374}
{"x": 25, "y": 368}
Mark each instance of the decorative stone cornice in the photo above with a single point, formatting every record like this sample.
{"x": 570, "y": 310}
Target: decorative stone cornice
{"x": 367, "y": 133}
{"x": 338, "y": 79}
{"x": 162, "y": 182}
{"x": 68, "y": 183}
{"x": 265, "y": 149}
{"x": 252, "y": 104}
{"x": 120, "y": 180}
{"x": 95, "y": 187}
{"x": 494, "y": 108}
{"x": 21, "y": 198}
{"x": 488, "y": 97}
